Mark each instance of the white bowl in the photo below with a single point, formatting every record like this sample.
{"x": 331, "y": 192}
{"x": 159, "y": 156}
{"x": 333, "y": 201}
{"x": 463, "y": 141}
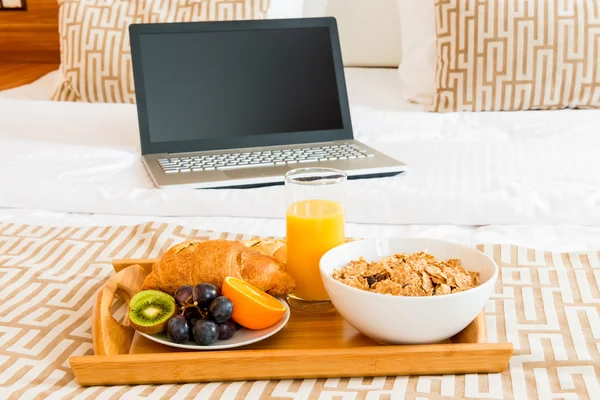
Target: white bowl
{"x": 402, "y": 319}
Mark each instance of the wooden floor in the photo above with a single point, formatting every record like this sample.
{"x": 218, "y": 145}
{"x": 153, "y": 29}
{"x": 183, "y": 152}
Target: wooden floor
{"x": 13, "y": 75}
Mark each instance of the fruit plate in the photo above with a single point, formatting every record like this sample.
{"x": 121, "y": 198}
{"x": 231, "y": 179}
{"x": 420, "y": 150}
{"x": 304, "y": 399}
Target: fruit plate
{"x": 243, "y": 337}
{"x": 310, "y": 345}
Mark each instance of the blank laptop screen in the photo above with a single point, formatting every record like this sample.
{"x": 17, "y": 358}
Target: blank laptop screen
{"x": 208, "y": 85}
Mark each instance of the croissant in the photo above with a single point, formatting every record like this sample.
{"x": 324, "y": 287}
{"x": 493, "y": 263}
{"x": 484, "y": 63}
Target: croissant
{"x": 270, "y": 247}
{"x": 190, "y": 263}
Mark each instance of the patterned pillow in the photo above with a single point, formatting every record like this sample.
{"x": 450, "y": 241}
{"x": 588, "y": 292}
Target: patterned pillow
{"x": 517, "y": 54}
{"x": 94, "y": 40}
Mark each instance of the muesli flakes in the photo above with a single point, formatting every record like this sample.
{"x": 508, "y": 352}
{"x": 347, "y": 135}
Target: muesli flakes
{"x": 418, "y": 274}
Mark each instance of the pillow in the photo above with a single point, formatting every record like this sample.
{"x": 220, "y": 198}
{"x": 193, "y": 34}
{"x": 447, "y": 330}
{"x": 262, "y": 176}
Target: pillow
{"x": 418, "y": 44}
{"x": 517, "y": 55}
{"x": 285, "y": 9}
{"x": 94, "y": 40}
{"x": 369, "y": 33}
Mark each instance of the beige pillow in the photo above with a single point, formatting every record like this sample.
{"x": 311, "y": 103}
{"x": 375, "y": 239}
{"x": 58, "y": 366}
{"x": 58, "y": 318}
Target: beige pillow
{"x": 418, "y": 44}
{"x": 517, "y": 55}
{"x": 94, "y": 40}
{"x": 369, "y": 30}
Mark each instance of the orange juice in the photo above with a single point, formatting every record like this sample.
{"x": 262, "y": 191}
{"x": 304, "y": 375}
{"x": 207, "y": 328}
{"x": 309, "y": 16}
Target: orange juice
{"x": 313, "y": 227}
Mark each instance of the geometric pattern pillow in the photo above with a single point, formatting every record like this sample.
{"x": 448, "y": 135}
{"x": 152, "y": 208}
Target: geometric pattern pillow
{"x": 94, "y": 40}
{"x": 517, "y": 55}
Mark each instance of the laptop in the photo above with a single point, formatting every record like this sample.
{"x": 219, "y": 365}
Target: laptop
{"x": 240, "y": 103}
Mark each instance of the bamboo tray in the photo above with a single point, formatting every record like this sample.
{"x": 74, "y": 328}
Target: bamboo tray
{"x": 310, "y": 346}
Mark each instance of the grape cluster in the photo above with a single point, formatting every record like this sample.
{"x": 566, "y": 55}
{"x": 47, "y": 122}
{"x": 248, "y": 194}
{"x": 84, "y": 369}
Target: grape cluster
{"x": 204, "y": 316}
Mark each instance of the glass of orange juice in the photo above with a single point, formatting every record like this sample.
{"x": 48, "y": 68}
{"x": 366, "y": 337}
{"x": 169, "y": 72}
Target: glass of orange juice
{"x": 314, "y": 225}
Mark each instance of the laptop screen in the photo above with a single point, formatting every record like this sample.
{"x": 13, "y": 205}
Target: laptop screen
{"x": 225, "y": 86}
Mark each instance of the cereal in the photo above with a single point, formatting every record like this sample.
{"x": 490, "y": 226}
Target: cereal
{"x": 418, "y": 274}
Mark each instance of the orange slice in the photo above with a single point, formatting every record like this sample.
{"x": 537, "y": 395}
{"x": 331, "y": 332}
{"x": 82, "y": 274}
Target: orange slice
{"x": 252, "y": 308}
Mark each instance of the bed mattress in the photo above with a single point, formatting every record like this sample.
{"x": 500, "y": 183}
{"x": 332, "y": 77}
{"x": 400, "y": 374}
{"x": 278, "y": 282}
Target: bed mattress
{"x": 508, "y": 175}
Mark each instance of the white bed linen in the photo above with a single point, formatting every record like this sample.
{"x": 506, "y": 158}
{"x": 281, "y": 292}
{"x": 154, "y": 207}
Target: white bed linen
{"x": 562, "y": 238}
{"x": 465, "y": 170}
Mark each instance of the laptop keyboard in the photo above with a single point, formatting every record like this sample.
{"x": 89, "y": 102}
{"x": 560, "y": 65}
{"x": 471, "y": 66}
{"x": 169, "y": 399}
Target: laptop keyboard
{"x": 267, "y": 158}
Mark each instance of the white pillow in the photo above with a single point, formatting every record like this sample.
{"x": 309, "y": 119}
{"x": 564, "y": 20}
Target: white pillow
{"x": 418, "y": 43}
{"x": 285, "y": 9}
{"x": 369, "y": 29}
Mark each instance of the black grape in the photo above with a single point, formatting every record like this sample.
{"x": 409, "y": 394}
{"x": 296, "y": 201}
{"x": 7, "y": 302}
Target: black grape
{"x": 205, "y": 332}
{"x": 204, "y": 293}
{"x": 183, "y": 296}
{"x": 227, "y": 329}
{"x": 178, "y": 330}
{"x": 221, "y": 309}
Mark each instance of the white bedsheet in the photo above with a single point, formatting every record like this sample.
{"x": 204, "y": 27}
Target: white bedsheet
{"x": 561, "y": 238}
{"x": 523, "y": 170}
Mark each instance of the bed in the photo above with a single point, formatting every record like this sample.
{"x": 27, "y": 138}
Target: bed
{"x": 72, "y": 171}
{"x": 528, "y": 178}
{"x": 523, "y": 185}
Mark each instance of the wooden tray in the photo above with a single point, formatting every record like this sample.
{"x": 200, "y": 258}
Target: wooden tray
{"x": 310, "y": 346}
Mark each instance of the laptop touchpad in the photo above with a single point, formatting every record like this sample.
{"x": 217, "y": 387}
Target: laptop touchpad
{"x": 245, "y": 173}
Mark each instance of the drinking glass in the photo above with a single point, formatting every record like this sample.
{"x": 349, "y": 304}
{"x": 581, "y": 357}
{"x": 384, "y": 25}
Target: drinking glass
{"x": 314, "y": 225}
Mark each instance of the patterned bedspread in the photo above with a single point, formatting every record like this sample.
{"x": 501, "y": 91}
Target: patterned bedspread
{"x": 546, "y": 304}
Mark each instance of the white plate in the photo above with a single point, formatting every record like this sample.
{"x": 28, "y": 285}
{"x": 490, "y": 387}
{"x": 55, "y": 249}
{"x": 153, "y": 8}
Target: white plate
{"x": 241, "y": 338}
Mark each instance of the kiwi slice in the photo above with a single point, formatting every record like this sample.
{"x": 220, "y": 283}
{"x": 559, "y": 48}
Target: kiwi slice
{"x": 150, "y": 310}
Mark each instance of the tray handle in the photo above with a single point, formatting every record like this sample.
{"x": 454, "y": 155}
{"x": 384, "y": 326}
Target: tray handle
{"x": 145, "y": 263}
{"x": 111, "y": 337}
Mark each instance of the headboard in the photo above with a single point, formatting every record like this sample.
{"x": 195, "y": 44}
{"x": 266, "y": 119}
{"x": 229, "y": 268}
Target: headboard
{"x": 31, "y": 35}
